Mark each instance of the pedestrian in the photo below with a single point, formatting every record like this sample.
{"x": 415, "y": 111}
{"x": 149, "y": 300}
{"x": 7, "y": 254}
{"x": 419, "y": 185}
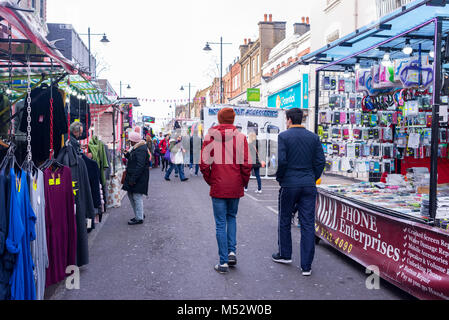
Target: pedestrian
{"x": 257, "y": 164}
{"x": 157, "y": 152}
{"x": 195, "y": 151}
{"x": 176, "y": 159}
{"x": 163, "y": 147}
{"x": 225, "y": 165}
{"x": 137, "y": 176}
{"x": 150, "y": 146}
{"x": 301, "y": 164}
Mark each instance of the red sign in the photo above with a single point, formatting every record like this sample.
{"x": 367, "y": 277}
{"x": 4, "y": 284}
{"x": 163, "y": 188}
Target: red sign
{"x": 410, "y": 255}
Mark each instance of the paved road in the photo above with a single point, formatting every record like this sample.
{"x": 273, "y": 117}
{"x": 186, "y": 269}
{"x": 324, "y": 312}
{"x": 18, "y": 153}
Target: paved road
{"x": 171, "y": 256}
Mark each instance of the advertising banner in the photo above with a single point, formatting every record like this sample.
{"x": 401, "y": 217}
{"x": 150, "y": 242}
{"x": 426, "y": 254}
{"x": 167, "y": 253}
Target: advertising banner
{"x": 286, "y": 99}
{"x": 305, "y": 91}
{"x": 253, "y": 95}
{"x": 264, "y": 124}
{"x": 410, "y": 255}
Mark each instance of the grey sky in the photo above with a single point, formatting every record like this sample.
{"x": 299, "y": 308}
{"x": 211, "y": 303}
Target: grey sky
{"x": 156, "y": 46}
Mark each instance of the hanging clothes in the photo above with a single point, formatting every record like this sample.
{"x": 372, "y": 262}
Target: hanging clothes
{"x": 71, "y": 156}
{"x": 7, "y": 259}
{"x": 97, "y": 148}
{"x": 39, "y": 249}
{"x": 21, "y": 233}
{"x": 60, "y": 223}
{"x": 40, "y": 122}
{"x": 94, "y": 179}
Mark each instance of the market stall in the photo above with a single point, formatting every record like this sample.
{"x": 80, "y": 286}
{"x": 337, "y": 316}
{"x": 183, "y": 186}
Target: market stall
{"x": 381, "y": 110}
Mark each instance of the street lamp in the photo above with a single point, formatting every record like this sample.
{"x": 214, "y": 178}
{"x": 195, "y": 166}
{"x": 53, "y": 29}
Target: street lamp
{"x": 208, "y": 48}
{"x": 190, "y": 87}
{"x": 122, "y": 84}
{"x": 104, "y": 41}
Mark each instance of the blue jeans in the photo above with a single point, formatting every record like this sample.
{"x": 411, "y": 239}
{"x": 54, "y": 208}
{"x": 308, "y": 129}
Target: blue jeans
{"x": 259, "y": 180}
{"x": 305, "y": 199}
{"x": 178, "y": 168}
{"x": 225, "y": 212}
{"x": 136, "y": 200}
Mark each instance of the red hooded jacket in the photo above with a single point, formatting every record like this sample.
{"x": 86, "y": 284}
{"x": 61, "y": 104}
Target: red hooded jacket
{"x": 225, "y": 162}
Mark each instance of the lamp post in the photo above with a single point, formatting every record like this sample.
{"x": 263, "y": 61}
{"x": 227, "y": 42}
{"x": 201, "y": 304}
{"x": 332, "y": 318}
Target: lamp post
{"x": 104, "y": 40}
{"x": 208, "y": 48}
{"x": 190, "y": 97}
{"x": 128, "y": 87}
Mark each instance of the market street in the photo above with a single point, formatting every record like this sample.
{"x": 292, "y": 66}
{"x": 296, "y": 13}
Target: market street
{"x": 171, "y": 256}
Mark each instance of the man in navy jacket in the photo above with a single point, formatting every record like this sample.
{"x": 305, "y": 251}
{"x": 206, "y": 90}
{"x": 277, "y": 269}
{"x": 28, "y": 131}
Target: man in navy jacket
{"x": 301, "y": 164}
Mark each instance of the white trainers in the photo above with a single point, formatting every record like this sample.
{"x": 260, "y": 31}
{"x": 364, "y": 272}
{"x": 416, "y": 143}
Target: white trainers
{"x": 246, "y": 190}
{"x": 259, "y": 191}
{"x": 307, "y": 273}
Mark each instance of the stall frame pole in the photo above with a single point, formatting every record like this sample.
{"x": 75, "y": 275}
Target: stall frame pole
{"x": 433, "y": 201}
{"x": 317, "y": 98}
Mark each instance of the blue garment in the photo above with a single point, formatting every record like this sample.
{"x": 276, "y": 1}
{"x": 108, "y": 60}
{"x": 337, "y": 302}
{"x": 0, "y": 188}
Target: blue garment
{"x": 301, "y": 158}
{"x": 304, "y": 199}
{"x": 179, "y": 169}
{"x": 22, "y": 232}
{"x": 225, "y": 213}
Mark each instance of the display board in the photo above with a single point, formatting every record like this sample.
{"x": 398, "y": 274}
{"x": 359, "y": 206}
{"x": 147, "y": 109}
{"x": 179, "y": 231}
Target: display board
{"x": 410, "y": 255}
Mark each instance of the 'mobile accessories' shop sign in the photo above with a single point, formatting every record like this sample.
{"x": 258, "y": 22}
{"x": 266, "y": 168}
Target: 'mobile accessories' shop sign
{"x": 412, "y": 256}
{"x": 286, "y": 99}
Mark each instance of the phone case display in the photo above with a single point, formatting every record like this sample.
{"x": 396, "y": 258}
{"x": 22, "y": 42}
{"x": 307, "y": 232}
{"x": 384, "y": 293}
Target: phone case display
{"x": 364, "y": 129}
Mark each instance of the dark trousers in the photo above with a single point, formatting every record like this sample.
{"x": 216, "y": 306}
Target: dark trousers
{"x": 165, "y": 163}
{"x": 305, "y": 199}
{"x": 259, "y": 180}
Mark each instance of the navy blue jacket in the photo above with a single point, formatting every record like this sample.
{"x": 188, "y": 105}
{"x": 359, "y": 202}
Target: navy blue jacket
{"x": 301, "y": 158}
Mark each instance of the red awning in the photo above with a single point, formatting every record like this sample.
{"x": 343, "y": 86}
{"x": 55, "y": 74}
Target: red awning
{"x": 25, "y": 23}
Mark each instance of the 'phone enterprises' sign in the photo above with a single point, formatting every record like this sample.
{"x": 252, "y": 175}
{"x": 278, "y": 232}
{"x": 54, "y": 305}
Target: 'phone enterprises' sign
{"x": 286, "y": 99}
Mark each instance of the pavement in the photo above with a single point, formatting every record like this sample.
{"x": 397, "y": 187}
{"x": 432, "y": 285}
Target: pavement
{"x": 171, "y": 256}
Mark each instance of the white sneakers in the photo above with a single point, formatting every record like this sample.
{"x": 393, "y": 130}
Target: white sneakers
{"x": 307, "y": 273}
{"x": 259, "y": 191}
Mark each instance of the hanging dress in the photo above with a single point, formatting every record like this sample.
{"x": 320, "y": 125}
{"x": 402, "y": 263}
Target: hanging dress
{"x": 21, "y": 233}
{"x": 39, "y": 250}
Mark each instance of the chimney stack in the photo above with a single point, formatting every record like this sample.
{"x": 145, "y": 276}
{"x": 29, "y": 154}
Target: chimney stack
{"x": 302, "y": 28}
{"x": 246, "y": 42}
{"x": 303, "y": 20}
{"x": 270, "y": 18}
{"x": 308, "y": 20}
{"x": 265, "y": 17}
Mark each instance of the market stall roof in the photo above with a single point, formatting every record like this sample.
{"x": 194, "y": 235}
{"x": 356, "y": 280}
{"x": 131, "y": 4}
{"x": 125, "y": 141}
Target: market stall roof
{"x": 29, "y": 38}
{"x": 133, "y": 101}
{"x": 388, "y": 34}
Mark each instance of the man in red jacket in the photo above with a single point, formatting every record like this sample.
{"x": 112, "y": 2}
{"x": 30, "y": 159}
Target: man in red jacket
{"x": 226, "y": 168}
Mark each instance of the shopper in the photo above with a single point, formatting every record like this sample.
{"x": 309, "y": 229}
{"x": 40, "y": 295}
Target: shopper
{"x": 301, "y": 164}
{"x": 137, "y": 176}
{"x": 226, "y": 168}
{"x": 257, "y": 164}
{"x": 176, "y": 159}
{"x": 195, "y": 152}
{"x": 163, "y": 147}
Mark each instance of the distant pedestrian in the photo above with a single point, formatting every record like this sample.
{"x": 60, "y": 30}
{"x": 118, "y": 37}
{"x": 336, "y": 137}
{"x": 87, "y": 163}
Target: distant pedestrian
{"x": 163, "y": 147}
{"x": 195, "y": 152}
{"x": 137, "y": 176}
{"x": 301, "y": 164}
{"x": 176, "y": 159}
{"x": 257, "y": 164}
{"x": 226, "y": 168}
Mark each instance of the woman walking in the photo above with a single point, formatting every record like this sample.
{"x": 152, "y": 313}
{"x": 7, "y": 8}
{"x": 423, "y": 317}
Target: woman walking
{"x": 254, "y": 151}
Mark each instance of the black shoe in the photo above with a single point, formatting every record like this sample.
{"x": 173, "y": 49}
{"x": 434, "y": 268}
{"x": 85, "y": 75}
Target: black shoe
{"x": 185, "y": 180}
{"x": 222, "y": 269}
{"x": 278, "y": 259}
{"x": 232, "y": 259}
{"x": 135, "y": 222}
{"x": 167, "y": 179}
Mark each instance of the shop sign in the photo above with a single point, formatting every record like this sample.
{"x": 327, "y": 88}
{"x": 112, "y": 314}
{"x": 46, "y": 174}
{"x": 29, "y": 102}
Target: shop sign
{"x": 286, "y": 99}
{"x": 410, "y": 255}
{"x": 253, "y": 95}
{"x": 148, "y": 119}
{"x": 305, "y": 91}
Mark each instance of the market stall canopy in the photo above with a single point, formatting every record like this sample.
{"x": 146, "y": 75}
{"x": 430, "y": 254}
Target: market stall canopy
{"x": 388, "y": 34}
{"x": 133, "y": 101}
{"x": 28, "y": 37}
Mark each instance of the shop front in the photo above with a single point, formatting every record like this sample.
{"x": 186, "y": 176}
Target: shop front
{"x": 381, "y": 110}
